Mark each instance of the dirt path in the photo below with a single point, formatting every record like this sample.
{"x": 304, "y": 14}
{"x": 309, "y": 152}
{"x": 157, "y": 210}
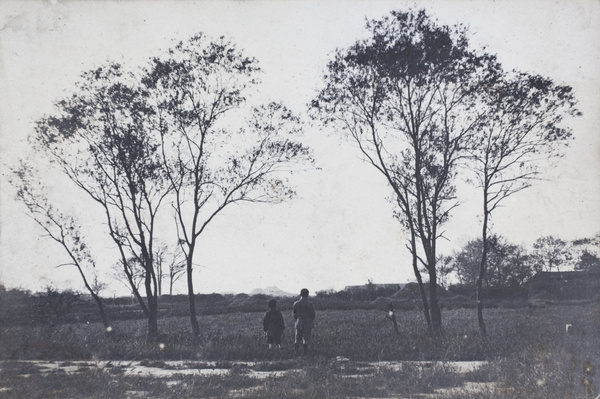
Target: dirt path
{"x": 165, "y": 369}
{"x": 171, "y": 372}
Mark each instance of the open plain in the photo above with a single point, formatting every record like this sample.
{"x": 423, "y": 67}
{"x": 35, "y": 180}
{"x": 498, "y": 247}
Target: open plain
{"x": 528, "y": 353}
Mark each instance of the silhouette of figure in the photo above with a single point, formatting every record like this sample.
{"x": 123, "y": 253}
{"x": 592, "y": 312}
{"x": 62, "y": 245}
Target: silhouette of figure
{"x": 304, "y": 314}
{"x": 273, "y": 324}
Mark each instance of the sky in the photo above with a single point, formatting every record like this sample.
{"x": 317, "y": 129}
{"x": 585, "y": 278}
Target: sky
{"x": 339, "y": 230}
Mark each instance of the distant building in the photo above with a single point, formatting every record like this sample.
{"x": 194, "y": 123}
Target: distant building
{"x": 564, "y": 285}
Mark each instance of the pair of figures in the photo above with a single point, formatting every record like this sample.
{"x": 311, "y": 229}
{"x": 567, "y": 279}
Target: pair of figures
{"x": 304, "y": 316}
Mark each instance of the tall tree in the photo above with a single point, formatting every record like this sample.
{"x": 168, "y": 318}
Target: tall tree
{"x": 406, "y": 96}
{"x": 507, "y": 264}
{"x": 550, "y": 253}
{"x": 521, "y": 130}
{"x": 103, "y": 138}
{"x": 61, "y": 228}
{"x": 213, "y": 155}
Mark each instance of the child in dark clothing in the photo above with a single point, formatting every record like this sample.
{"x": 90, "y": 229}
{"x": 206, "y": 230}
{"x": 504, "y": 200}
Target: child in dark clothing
{"x": 273, "y": 324}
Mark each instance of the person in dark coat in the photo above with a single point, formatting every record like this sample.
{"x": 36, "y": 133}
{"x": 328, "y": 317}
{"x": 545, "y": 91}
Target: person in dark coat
{"x": 273, "y": 324}
{"x": 304, "y": 314}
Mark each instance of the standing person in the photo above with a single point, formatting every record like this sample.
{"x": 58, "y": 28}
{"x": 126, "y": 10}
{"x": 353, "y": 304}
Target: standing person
{"x": 304, "y": 314}
{"x": 273, "y": 324}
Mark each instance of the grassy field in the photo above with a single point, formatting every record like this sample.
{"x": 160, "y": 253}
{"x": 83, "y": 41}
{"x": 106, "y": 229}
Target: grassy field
{"x": 528, "y": 351}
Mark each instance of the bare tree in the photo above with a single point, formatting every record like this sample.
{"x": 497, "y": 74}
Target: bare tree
{"x": 521, "y": 130}
{"x": 406, "y": 97}
{"x": 177, "y": 268}
{"x": 212, "y": 155}
{"x": 103, "y": 139}
{"x": 170, "y": 263}
{"x": 61, "y": 228}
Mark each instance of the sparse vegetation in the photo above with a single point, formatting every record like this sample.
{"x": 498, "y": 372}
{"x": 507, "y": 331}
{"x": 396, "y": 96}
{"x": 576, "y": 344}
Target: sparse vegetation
{"x": 528, "y": 354}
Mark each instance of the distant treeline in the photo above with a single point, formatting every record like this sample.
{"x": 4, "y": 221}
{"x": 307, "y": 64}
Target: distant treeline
{"x": 53, "y": 306}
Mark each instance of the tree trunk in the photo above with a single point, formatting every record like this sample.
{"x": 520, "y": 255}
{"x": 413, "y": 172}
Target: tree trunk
{"x": 152, "y": 308}
{"x": 191, "y": 295}
{"x": 482, "y": 328}
{"x": 434, "y": 306}
{"x": 421, "y": 289}
{"x": 192, "y": 301}
{"x": 482, "y": 267}
{"x": 426, "y": 310}
{"x": 153, "y": 323}
{"x": 415, "y": 265}
{"x": 101, "y": 310}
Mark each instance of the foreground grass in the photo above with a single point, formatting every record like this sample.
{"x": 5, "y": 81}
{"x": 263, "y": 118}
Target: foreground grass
{"x": 313, "y": 377}
{"x": 361, "y": 335}
{"x": 529, "y": 356}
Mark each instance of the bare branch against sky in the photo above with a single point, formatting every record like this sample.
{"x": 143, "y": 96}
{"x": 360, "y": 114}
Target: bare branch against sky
{"x": 339, "y": 230}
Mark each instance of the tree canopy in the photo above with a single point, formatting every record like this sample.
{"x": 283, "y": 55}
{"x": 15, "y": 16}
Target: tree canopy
{"x": 136, "y": 140}
{"x": 407, "y": 96}
{"x": 508, "y": 265}
{"x": 423, "y": 106}
{"x": 213, "y": 153}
